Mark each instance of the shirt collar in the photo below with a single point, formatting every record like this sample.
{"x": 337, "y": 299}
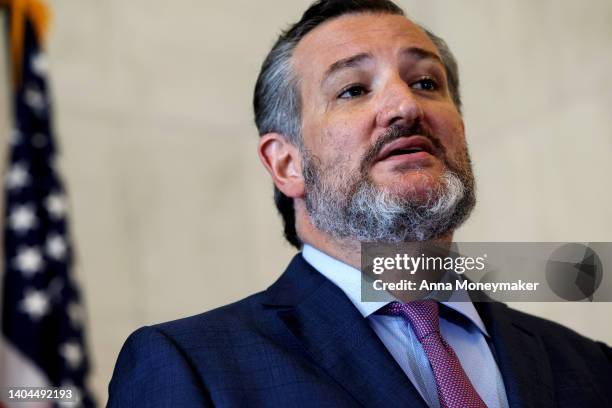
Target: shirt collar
{"x": 348, "y": 279}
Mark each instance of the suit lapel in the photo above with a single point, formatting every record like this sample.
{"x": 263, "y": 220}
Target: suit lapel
{"x": 338, "y": 339}
{"x": 522, "y": 360}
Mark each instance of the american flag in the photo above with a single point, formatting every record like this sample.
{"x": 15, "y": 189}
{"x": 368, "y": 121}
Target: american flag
{"x": 42, "y": 314}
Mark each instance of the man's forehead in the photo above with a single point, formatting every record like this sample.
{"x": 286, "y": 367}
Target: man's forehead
{"x": 351, "y": 34}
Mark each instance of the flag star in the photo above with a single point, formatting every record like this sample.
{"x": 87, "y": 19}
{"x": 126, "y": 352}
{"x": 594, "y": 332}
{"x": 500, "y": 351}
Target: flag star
{"x": 15, "y": 137}
{"x": 34, "y": 98}
{"x": 39, "y": 140}
{"x": 76, "y": 395}
{"x": 29, "y": 260}
{"x": 35, "y": 303}
{"x": 72, "y": 353}
{"x": 22, "y": 218}
{"x": 75, "y": 312}
{"x": 72, "y": 403}
{"x": 53, "y": 163}
{"x": 40, "y": 63}
{"x": 55, "y": 288}
{"x": 17, "y": 176}
{"x": 56, "y": 205}
{"x": 56, "y": 247}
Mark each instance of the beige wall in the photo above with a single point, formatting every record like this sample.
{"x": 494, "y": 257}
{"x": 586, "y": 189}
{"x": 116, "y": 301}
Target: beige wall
{"x": 172, "y": 212}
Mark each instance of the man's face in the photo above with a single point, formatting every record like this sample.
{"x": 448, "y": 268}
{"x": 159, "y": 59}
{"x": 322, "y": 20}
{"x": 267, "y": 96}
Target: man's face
{"x": 377, "y": 112}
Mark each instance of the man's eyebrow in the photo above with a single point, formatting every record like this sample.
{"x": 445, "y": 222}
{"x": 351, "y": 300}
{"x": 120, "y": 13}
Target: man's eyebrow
{"x": 349, "y": 62}
{"x": 422, "y": 54}
{"x": 358, "y": 59}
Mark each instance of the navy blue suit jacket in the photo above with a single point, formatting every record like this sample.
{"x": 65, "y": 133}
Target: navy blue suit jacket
{"x": 302, "y": 343}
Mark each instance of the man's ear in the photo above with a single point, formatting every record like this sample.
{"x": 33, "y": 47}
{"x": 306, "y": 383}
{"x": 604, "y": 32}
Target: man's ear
{"x": 282, "y": 160}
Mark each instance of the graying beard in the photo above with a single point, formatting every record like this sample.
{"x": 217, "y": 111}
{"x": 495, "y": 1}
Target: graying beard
{"x": 378, "y": 215}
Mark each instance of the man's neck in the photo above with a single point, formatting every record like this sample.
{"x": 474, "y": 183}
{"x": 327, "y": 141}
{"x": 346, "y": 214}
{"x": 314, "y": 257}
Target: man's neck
{"x": 345, "y": 250}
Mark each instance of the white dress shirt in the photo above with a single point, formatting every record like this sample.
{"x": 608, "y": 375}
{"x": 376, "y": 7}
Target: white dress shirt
{"x": 468, "y": 337}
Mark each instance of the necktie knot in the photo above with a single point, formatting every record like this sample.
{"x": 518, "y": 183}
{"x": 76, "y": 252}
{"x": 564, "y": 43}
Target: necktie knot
{"x": 422, "y": 315}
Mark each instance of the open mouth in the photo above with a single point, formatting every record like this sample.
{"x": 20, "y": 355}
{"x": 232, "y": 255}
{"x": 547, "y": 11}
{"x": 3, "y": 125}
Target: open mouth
{"x": 399, "y": 152}
{"x": 407, "y": 146}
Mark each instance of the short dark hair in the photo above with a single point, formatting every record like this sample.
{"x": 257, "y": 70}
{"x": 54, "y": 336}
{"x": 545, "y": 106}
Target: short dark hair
{"x": 277, "y": 102}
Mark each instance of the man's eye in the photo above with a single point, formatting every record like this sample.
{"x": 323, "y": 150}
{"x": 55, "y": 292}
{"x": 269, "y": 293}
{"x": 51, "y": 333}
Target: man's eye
{"x": 425, "y": 84}
{"x": 352, "y": 92}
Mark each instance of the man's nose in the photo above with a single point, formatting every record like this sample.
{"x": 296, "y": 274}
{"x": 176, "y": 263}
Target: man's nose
{"x": 398, "y": 105}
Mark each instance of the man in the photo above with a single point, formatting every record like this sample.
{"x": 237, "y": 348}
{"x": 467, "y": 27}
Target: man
{"x": 361, "y": 131}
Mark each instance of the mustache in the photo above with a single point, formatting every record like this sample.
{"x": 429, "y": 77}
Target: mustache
{"x": 395, "y": 132}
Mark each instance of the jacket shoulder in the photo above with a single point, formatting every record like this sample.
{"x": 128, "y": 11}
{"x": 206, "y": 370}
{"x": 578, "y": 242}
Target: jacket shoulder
{"x": 152, "y": 371}
{"x": 563, "y": 340}
{"x": 213, "y": 324}
{"x": 159, "y": 366}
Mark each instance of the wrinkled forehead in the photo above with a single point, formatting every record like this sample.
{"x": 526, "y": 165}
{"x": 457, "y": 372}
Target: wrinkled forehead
{"x": 352, "y": 34}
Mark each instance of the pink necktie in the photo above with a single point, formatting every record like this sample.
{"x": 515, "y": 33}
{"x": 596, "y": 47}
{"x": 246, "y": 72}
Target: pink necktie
{"x": 454, "y": 387}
